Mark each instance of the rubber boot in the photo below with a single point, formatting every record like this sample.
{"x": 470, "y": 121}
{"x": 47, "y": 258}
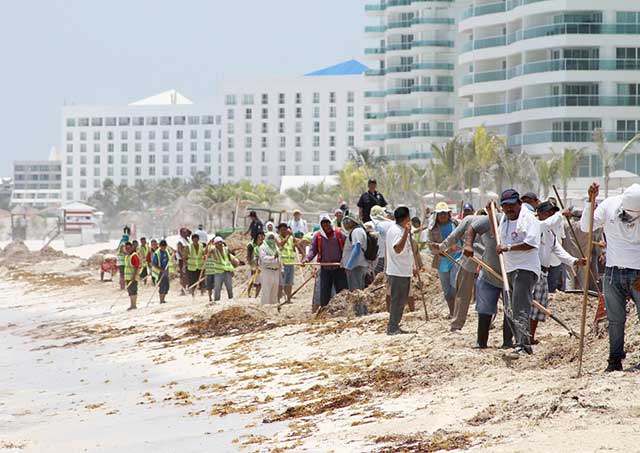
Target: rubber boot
{"x": 507, "y": 334}
{"x": 484, "y": 323}
{"x": 614, "y": 365}
{"x": 533, "y": 325}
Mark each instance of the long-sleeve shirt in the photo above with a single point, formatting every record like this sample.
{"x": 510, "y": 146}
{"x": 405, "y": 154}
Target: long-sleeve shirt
{"x": 458, "y": 235}
{"x": 268, "y": 261}
{"x": 354, "y": 247}
{"x": 550, "y": 246}
{"x": 623, "y": 238}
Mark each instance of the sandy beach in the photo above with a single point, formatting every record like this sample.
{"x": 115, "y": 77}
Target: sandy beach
{"x": 79, "y": 373}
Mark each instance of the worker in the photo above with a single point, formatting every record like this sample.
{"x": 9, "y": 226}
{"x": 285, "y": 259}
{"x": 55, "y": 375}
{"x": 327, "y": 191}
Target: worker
{"x": 160, "y": 269}
{"x": 131, "y": 273}
{"x": 270, "y": 268}
{"x": 195, "y": 262}
{"x": 143, "y": 250}
{"x": 220, "y": 266}
{"x": 253, "y": 258}
{"x": 286, "y": 244}
{"x": 121, "y": 252}
{"x": 149, "y": 258}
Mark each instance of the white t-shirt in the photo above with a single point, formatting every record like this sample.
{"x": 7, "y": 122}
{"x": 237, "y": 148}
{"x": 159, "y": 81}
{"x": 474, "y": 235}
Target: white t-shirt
{"x": 525, "y": 229}
{"x": 382, "y": 226}
{"x": 298, "y": 226}
{"x": 623, "y": 238}
{"x": 398, "y": 264}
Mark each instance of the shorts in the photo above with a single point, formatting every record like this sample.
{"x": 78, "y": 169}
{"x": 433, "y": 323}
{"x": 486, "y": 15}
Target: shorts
{"x": 540, "y": 295}
{"x": 210, "y": 281}
{"x": 287, "y": 274}
{"x": 132, "y": 289}
{"x": 194, "y": 276}
{"x": 164, "y": 285}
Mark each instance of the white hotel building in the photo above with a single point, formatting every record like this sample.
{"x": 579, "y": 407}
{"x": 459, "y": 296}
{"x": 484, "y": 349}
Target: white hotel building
{"x": 303, "y": 125}
{"x": 542, "y": 73}
{"x": 161, "y": 137}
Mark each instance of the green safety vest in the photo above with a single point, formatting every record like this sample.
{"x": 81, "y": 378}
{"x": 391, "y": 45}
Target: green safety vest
{"x": 218, "y": 263}
{"x": 195, "y": 260}
{"x": 129, "y": 270}
{"x": 287, "y": 252}
{"x": 142, "y": 253}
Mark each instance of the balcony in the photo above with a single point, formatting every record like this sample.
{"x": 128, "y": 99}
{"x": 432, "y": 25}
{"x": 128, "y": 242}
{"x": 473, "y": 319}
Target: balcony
{"x": 481, "y": 10}
{"x": 551, "y": 102}
{"x": 536, "y": 138}
{"x": 569, "y": 64}
{"x": 415, "y": 44}
{"x": 382, "y": 6}
{"x": 375, "y": 51}
{"x": 399, "y": 135}
{"x": 419, "y": 66}
{"x": 408, "y": 90}
{"x": 552, "y": 30}
{"x": 409, "y": 112}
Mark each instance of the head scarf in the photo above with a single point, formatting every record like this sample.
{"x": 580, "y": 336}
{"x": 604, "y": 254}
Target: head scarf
{"x": 269, "y": 245}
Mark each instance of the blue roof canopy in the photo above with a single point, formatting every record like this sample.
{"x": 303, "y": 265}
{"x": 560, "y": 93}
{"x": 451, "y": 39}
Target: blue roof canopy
{"x": 351, "y": 67}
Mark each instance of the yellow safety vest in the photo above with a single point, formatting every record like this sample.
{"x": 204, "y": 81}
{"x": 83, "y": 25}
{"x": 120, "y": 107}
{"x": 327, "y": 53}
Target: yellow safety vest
{"x": 129, "y": 270}
{"x": 287, "y": 252}
{"x": 142, "y": 253}
{"x": 120, "y": 255}
{"x": 219, "y": 262}
{"x": 195, "y": 260}
{"x": 154, "y": 272}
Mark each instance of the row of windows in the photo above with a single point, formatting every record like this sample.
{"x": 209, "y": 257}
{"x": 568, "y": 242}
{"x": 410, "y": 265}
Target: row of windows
{"x": 124, "y": 160}
{"x": 142, "y": 121}
{"x": 36, "y": 168}
{"x": 248, "y": 127}
{"x": 282, "y": 156}
{"x": 282, "y": 142}
{"x": 39, "y": 196}
{"x": 248, "y": 99}
{"x": 20, "y": 186}
{"x": 138, "y": 171}
{"x": 282, "y": 171}
{"x": 151, "y": 135}
{"x": 264, "y": 114}
{"x": 39, "y": 177}
{"x": 151, "y": 147}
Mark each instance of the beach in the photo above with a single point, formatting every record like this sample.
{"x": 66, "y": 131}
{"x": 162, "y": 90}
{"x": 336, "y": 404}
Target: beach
{"x": 80, "y": 373}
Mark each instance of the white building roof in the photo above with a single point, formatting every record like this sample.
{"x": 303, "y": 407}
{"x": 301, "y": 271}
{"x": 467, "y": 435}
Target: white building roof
{"x": 76, "y": 206}
{"x": 294, "y": 182}
{"x": 169, "y": 97}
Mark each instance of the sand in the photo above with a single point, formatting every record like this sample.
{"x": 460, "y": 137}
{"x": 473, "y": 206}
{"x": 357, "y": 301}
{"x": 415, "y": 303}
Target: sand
{"x": 80, "y": 373}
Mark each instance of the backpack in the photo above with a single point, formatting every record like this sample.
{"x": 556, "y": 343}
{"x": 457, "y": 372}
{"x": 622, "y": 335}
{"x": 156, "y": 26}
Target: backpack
{"x": 371, "y": 253}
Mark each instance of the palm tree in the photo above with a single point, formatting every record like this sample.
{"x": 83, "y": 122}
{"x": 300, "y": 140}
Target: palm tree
{"x": 609, "y": 159}
{"x": 366, "y": 158}
{"x": 447, "y": 156}
{"x": 567, "y": 165}
{"x": 487, "y": 147}
{"x": 547, "y": 173}
{"x": 353, "y": 180}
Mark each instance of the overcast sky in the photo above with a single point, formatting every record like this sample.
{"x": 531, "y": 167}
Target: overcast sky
{"x": 117, "y": 51}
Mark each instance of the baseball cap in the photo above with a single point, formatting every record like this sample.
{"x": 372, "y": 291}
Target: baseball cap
{"x": 372, "y": 181}
{"x": 509, "y": 196}
{"x": 530, "y": 195}
{"x": 442, "y": 207}
{"x": 297, "y": 211}
{"x": 252, "y": 214}
{"x": 547, "y": 206}
{"x": 217, "y": 240}
{"x": 468, "y": 207}
{"x": 377, "y": 211}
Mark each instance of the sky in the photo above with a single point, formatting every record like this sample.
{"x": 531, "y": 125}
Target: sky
{"x": 117, "y": 51}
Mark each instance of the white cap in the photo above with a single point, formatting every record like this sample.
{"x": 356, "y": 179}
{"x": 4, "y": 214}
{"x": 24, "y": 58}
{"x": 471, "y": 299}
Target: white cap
{"x": 631, "y": 198}
{"x": 217, "y": 240}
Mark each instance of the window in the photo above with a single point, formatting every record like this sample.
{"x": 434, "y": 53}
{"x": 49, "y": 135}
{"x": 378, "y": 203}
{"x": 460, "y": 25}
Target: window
{"x": 247, "y": 171}
{"x": 230, "y": 99}
{"x": 298, "y": 127}
{"x": 265, "y": 114}
{"x": 152, "y": 135}
{"x": 193, "y": 134}
{"x": 332, "y": 155}
{"x": 283, "y": 170}
{"x": 298, "y": 141}
{"x": 264, "y": 171}
{"x": 350, "y": 96}
{"x": 124, "y": 160}
{"x": 281, "y": 98}
{"x": 152, "y": 121}
{"x": 248, "y": 142}
{"x": 298, "y": 156}
{"x": 137, "y": 135}
{"x": 165, "y": 146}
{"x": 69, "y": 162}
{"x": 138, "y": 121}
{"x": 110, "y": 147}
{"x": 179, "y": 146}
{"x": 316, "y": 127}
{"x": 110, "y": 160}
{"x": 316, "y": 112}
{"x": 264, "y": 143}
{"x": 265, "y": 128}
{"x": 165, "y": 135}
{"x": 165, "y": 159}
{"x": 282, "y": 155}
{"x": 165, "y": 120}
{"x": 281, "y": 128}
{"x": 152, "y": 147}
{"x": 316, "y": 155}
{"x": 263, "y": 156}
{"x": 351, "y": 111}
{"x": 96, "y": 147}
{"x": 350, "y": 126}
{"x": 193, "y": 120}
{"x": 248, "y": 128}
{"x": 83, "y": 183}
{"x": 265, "y": 99}
{"x": 298, "y": 112}
{"x": 110, "y": 171}
{"x": 207, "y": 146}
{"x": 179, "y": 171}
{"x": 69, "y": 171}
{"x": 110, "y": 135}
{"x": 179, "y": 159}
{"x": 96, "y": 135}
{"x": 316, "y": 170}
{"x": 83, "y": 136}
{"x": 84, "y": 122}
{"x": 332, "y": 97}
{"x": 69, "y": 136}
{"x": 83, "y": 147}
{"x": 350, "y": 141}
{"x": 179, "y": 120}
{"x": 124, "y": 121}
{"x": 316, "y": 140}
{"x": 152, "y": 159}
{"x": 298, "y": 98}
{"x": 138, "y": 160}
{"x": 230, "y": 114}
{"x": 247, "y": 99}
{"x": 316, "y": 98}
{"x": 248, "y": 156}
{"x": 138, "y": 147}
{"x": 152, "y": 171}
{"x": 124, "y": 147}
{"x": 283, "y": 142}
{"x": 281, "y": 113}
{"x": 96, "y": 182}
{"x": 230, "y": 143}
{"x": 208, "y": 119}
{"x": 71, "y": 122}
{"x": 123, "y": 171}
{"x": 207, "y": 134}
{"x": 194, "y": 158}
{"x": 165, "y": 171}
{"x": 230, "y": 172}
{"x": 248, "y": 114}
{"x": 138, "y": 171}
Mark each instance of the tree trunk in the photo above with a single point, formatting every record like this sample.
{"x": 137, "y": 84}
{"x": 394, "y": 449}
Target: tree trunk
{"x": 606, "y": 182}
{"x": 565, "y": 189}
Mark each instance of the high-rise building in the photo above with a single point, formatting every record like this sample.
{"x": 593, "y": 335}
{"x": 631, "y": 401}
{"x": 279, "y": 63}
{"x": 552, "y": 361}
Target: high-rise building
{"x": 413, "y": 105}
{"x": 37, "y": 183}
{"x": 542, "y": 73}
{"x": 303, "y": 125}
{"x": 545, "y": 74}
{"x": 161, "y": 137}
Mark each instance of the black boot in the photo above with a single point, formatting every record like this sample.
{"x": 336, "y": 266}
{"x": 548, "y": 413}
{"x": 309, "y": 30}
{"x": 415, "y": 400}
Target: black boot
{"x": 507, "y": 334}
{"x": 614, "y": 365}
{"x": 484, "y": 324}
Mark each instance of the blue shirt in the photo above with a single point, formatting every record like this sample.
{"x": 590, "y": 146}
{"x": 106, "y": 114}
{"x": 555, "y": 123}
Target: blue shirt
{"x": 164, "y": 259}
{"x": 445, "y": 263}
